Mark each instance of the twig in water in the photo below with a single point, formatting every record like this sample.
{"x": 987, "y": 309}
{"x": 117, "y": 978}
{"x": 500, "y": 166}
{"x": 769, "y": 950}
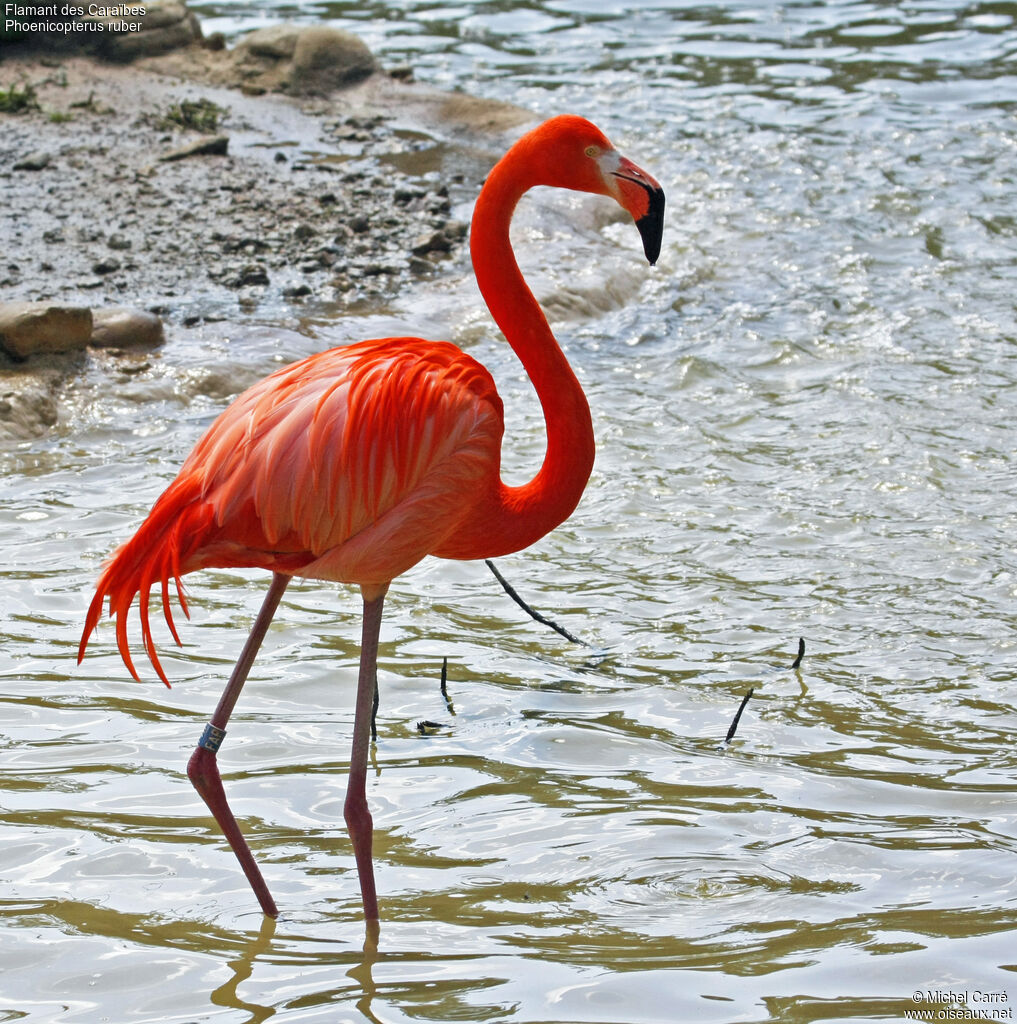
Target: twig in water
{"x": 801, "y": 653}
{"x": 508, "y": 588}
{"x": 426, "y": 726}
{"x": 737, "y": 717}
{"x": 444, "y": 686}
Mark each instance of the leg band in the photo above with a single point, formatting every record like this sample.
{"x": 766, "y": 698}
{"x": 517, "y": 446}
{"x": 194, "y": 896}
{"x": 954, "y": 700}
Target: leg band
{"x": 212, "y": 737}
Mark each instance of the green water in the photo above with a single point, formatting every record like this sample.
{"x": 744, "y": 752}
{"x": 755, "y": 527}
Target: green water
{"x": 804, "y": 418}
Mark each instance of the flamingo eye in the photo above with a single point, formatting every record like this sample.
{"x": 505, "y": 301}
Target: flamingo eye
{"x": 592, "y": 151}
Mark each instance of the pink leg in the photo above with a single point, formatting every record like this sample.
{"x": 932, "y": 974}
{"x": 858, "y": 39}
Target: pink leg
{"x": 358, "y": 817}
{"x": 202, "y": 769}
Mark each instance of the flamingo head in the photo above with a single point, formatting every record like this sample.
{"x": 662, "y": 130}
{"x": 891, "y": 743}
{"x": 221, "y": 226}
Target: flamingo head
{"x": 570, "y": 152}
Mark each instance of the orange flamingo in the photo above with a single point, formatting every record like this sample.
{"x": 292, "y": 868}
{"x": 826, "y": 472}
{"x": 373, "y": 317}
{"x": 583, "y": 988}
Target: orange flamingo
{"x": 353, "y": 464}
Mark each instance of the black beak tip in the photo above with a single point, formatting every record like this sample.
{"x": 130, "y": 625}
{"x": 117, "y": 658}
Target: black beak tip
{"x": 651, "y": 226}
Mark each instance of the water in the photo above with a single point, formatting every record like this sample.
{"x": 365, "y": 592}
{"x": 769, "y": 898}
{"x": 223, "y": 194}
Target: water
{"x": 804, "y": 421}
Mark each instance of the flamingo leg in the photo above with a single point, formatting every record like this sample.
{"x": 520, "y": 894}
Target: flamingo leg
{"x": 355, "y": 810}
{"x": 202, "y": 769}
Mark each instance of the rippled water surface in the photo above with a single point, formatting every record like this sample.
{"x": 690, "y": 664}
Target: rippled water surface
{"x": 805, "y": 422}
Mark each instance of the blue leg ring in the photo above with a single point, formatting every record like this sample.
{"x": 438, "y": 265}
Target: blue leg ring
{"x": 212, "y": 737}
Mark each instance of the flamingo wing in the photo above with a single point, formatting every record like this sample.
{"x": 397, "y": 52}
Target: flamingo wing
{"x": 359, "y": 461}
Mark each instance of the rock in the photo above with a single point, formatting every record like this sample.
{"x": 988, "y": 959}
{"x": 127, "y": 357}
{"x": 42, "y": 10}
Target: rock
{"x": 302, "y": 59}
{"x": 406, "y": 194}
{"x": 129, "y": 45}
{"x": 28, "y": 328}
{"x": 251, "y": 274}
{"x": 165, "y": 25}
{"x": 27, "y": 407}
{"x": 437, "y": 241}
{"x": 325, "y": 59}
{"x": 207, "y": 145}
{"x": 277, "y": 42}
{"x": 122, "y": 327}
{"x": 33, "y": 162}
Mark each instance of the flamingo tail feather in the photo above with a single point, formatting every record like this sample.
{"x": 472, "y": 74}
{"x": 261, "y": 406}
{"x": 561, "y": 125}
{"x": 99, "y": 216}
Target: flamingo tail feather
{"x": 157, "y": 553}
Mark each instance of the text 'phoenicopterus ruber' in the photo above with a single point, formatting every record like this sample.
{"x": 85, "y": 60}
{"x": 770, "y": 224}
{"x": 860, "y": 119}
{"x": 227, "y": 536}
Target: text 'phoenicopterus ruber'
{"x": 353, "y": 464}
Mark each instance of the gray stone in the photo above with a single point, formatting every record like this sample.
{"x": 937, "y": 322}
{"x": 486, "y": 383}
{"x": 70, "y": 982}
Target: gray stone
{"x": 126, "y": 46}
{"x": 165, "y": 25}
{"x": 27, "y": 406}
{"x": 122, "y": 327}
{"x": 302, "y": 59}
{"x": 276, "y": 42}
{"x": 207, "y": 145}
{"x": 33, "y": 162}
{"x": 326, "y": 58}
{"x": 29, "y": 328}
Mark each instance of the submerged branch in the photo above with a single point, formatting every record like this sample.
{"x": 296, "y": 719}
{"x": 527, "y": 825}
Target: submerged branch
{"x": 801, "y": 653}
{"x": 508, "y": 588}
{"x": 738, "y": 715}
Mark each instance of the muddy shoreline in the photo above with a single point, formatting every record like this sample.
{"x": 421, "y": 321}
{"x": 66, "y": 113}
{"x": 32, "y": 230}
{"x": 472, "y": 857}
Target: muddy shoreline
{"x": 324, "y": 205}
{"x": 334, "y": 199}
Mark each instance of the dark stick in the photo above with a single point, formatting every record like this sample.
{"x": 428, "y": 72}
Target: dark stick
{"x": 801, "y": 653}
{"x": 444, "y": 686}
{"x": 529, "y": 611}
{"x": 737, "y": 717}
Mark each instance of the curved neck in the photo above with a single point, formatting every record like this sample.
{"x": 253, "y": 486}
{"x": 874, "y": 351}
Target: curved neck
{"x": 526, "y": 513}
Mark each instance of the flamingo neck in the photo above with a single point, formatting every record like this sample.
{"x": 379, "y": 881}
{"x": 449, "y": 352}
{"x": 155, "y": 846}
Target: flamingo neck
{"x": 524, "y": 514}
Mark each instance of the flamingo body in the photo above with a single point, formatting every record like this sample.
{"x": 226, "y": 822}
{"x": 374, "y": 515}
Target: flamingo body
{"x": 351, "y": 465}
{"x": 354, "y": 464}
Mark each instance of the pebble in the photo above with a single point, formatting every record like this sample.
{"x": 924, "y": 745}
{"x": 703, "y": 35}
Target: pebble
{"x": 211, "y": 145}
{"x": 437, "y": 241}
{"x": 251, "y": 274}
{"x": 33, "y": 162}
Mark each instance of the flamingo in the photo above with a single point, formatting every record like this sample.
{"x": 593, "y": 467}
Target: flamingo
{"x": 354, "y": 464}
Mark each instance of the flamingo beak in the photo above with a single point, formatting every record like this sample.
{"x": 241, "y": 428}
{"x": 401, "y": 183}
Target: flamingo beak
{"x": 643, "y": 197}
{"x": 651, "y": 226}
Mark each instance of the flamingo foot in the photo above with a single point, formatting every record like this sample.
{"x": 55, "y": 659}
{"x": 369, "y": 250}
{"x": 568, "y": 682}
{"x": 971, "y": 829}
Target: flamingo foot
{"x": 203, "y": 771}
